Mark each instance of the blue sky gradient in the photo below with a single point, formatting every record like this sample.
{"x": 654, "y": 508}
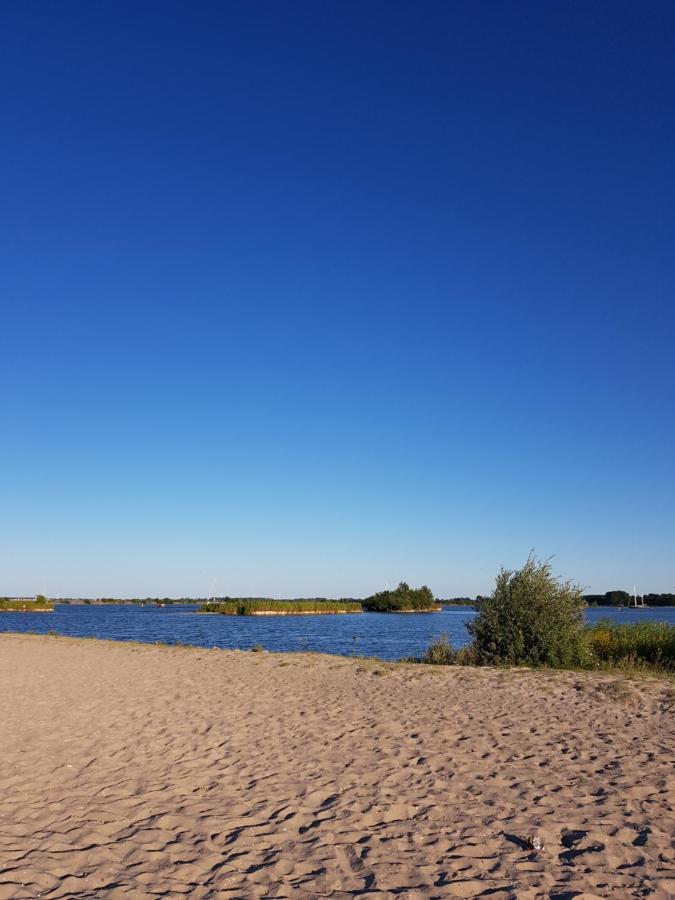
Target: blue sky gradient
{"x": 311, "y": 298}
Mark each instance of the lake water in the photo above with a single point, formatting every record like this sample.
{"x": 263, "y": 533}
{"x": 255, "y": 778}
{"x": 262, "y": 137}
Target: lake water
{"x": 385, "y": 635}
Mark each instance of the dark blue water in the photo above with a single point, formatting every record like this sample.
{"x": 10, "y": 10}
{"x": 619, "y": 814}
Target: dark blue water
{"x": 385, "y": 635}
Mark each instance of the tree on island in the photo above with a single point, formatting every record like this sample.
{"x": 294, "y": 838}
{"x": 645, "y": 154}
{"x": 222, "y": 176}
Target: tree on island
{"x": 401, "y": 599}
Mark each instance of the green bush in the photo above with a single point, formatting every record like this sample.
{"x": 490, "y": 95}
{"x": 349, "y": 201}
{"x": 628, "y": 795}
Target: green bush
{"x": 402, "y": 599}
{"x": 639, "y": 645}
{"x": 532, "y": 619}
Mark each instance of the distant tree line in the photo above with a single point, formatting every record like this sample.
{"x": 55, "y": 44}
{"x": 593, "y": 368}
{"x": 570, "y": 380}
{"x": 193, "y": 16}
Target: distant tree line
{"x": 623, "y": 598}
{"x": 281, "y": 600}
{"x": 403, "y": 597}
{"x": 121, "y": 601}
{"x": 168, "y": 601}
{"x": 458, "y": 601}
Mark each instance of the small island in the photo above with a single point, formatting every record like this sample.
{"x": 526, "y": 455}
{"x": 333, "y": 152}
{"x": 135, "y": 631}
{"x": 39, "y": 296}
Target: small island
{"x": 26, "y": 604}
{"x": 244, "y": 607}
{"x": 403, "y": 599}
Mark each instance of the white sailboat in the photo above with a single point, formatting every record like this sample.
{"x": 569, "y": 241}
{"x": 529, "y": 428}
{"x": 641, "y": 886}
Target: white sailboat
{"x": 634, "y": 603}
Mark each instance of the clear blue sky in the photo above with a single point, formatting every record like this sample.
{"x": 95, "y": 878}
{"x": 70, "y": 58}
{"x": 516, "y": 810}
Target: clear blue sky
{"x": 309, "y": 298}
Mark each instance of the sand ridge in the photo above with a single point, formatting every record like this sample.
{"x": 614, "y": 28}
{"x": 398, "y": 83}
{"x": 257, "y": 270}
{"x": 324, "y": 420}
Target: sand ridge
{"x": 142, "y": 771}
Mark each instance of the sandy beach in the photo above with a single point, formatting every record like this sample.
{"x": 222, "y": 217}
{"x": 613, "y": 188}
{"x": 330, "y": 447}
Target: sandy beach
{"x": 143, "y": 771}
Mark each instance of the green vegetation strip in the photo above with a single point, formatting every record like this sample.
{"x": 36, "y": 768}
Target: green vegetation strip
{"x": 532, "y": 618}
{"x": 41, "y": 604}
{"x": 280, "y": 607}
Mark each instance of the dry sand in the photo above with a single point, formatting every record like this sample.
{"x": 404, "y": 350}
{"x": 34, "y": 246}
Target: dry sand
{"x": 141, "y": 771}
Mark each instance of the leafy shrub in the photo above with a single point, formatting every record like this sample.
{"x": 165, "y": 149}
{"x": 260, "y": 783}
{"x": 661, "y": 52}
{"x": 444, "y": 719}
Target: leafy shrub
{"x": 639, "y": 645}
{"x": 402, "y": 599}
{"x": 531, "y": 618}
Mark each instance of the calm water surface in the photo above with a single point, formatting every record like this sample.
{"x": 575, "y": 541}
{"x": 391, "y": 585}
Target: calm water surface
{"x": 385, "y": 635}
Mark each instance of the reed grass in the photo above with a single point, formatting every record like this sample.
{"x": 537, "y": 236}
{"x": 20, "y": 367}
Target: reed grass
{"x": 30, "y": 606}
{"x": 281, "y": 607}
{"x": 638, "y": 645}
